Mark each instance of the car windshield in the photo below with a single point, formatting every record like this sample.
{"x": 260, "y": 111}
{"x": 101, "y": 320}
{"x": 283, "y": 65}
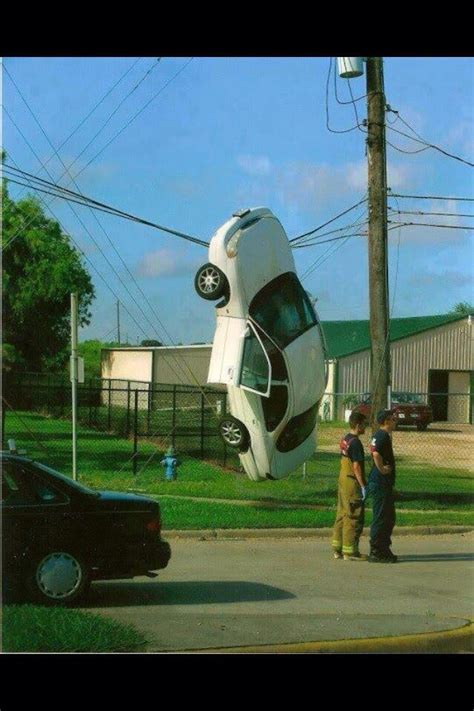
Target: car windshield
{"x": 68, "y": 480}
{"x": 407, "y": 399}
{"x": 283, "y": 310}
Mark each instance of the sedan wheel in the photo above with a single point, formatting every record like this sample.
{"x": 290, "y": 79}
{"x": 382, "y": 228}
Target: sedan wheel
{"x": 59, "y": 578}
{"x": 234, "y": 433}
{"x": 210, "y": 282}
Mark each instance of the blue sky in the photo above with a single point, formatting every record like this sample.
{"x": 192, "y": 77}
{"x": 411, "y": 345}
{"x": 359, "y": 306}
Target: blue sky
{"x": 236, "y": 132}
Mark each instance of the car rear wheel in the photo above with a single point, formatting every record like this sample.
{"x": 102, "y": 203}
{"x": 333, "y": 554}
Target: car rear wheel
{"x": 57, "y": 577}
{"x": 234, "y": 433}
{"x": 210, "y": 282}
{"x": 421, "y": 426}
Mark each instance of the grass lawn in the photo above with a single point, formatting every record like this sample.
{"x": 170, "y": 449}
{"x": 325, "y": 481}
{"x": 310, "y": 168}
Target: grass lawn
{"x": 104, "y": 461}
{"x": 31, "y": 628}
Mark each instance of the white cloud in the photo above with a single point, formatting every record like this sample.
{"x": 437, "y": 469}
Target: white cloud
{"x": 164, "y": 263}
{"x": 254, "y": 165}
{"x": 461, "y": 137}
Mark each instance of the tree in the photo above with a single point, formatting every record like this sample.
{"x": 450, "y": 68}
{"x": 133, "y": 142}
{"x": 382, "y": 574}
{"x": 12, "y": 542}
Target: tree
{"x": 40, "y": 270}
{"x": 151, "y": 343}
{"x": 463, "y": 308}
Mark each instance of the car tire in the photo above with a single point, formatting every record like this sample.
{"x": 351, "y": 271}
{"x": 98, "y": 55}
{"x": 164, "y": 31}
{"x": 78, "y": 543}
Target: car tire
{"x": 234, "y": 433}
{"x": 57, "y": 577}
{"x": 210, "y": 282}
{"x": 421, "y": 427}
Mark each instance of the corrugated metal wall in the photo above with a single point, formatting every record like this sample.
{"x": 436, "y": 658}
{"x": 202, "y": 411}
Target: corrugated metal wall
{"x": 447, "y": 347}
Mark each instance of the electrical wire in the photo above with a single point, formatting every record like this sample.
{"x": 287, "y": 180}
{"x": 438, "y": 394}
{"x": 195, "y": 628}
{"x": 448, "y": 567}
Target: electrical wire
{"x": 332, "y": 130}
{"x": 94, "y": 108}
{"x": 333, "y": 219}
{"x": 135, "y": 116}
{"x": 431, "y": 145}
{"x": 432, "y": 197}
{"x": 429, "y": 224}
{"x": 82, "y": 199}
{"x": 418, "y": 212}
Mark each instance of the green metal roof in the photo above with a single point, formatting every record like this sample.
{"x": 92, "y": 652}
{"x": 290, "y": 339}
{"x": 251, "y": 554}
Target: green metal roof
{"x": 346, "y": 337}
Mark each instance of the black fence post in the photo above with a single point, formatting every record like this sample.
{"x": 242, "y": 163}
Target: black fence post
{"x": 3, "y": 426}
{"x": 148, "y": 414}
{"x": 202, "y": 425}
{"x": 223, "y": 413}
{"x": 135, "y": 434}
{"x": 110, "y": 406}
{"x": 90, "y": 402}
{"x": 128, "y": 408}
{"x": 173, "y": 422}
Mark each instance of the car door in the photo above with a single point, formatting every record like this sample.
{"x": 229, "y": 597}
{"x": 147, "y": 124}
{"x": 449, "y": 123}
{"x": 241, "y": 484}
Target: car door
{"x": 30, "y": 511}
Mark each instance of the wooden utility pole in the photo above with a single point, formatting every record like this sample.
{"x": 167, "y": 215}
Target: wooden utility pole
{"x": 378, "y": 256}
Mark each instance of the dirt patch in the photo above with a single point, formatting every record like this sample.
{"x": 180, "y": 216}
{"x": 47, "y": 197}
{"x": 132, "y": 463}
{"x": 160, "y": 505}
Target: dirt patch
{"x": 441, "y": 445}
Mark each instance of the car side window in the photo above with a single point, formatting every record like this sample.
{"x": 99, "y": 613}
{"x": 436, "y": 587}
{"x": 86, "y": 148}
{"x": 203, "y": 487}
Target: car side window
{"x": 275, "y": 406}
{"x": 255, "y": 371}
{"x": 22, "y": 487}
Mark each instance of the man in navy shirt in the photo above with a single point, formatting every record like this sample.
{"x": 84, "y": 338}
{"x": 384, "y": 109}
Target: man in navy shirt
{"x": 380, "y": 488}
{"x": 350, "y": 493}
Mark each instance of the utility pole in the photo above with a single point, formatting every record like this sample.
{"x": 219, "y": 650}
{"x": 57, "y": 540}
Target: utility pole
{"x": 118, "y": 321}
{"x": 74, "y": 379}
{"x": 378, "y": 248}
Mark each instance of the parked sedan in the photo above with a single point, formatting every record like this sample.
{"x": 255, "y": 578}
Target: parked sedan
{"x": 59, "y": 535}
{"x": 268, "y": 345}
{"x": 408, "y": 407}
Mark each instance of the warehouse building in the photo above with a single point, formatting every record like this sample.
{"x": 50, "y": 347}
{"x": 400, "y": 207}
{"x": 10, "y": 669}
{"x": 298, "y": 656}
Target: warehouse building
{"x": 431, "y": 356}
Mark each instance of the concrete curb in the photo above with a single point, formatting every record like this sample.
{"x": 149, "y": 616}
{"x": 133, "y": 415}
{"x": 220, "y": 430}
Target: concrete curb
{"x": 243, "y": 533}
{"x": 460, "y": 640}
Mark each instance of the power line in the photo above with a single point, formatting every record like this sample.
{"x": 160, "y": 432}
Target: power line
{"x": 430, "y": 145}
{"x": 82, "y": 199}
{"x": 347, "y": 130}
{"x": 319, "y": 241}
{"x": 333, "y": 219}
{"x": 418, "y": 212}
{"x": 136, "y": 115}
{"x": 428, "y": 224}
{"x": 431, "y": 197}
{"x": 82, "y": 122}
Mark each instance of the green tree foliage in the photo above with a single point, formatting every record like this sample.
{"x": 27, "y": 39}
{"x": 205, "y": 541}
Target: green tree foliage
{"x": 463, "y": 308}
{"x": 40, "y": 270}
{"x": 151, "y": 342}
{"x": 91, "y": 352}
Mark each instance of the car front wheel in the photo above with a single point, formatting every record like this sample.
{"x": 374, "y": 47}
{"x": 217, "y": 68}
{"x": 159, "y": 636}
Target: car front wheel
{"x": 234, "y": 433}
{"x": 210, "y": 282}
{"x": 57, "y": 577}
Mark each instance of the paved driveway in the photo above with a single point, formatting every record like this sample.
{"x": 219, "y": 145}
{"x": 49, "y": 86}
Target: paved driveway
{"x": 226, "y": 593}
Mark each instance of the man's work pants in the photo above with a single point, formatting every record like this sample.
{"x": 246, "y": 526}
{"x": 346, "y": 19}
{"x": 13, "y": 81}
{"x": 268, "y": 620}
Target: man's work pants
{"x": 349, "y": 517}
{"x": 383, "y": 517}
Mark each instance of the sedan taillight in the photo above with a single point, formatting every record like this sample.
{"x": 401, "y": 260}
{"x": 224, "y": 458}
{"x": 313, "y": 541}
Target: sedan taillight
{"x": 154, "y": 526}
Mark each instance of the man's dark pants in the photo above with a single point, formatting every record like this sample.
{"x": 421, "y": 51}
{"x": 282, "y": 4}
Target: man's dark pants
{"x": 383, "y": 516}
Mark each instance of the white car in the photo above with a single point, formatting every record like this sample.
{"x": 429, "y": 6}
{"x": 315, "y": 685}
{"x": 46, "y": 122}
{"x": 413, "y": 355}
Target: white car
{"x": 268, "y": 346}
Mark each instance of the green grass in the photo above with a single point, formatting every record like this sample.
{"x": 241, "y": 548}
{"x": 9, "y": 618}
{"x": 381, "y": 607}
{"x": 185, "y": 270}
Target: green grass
{"x": 30, "y": 628}
{"x": 104, "y": 463}
{"x": 195, "y": 515}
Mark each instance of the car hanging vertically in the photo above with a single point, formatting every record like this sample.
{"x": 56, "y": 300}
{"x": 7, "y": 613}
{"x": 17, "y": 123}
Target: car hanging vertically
{"x": 268, "y": 346}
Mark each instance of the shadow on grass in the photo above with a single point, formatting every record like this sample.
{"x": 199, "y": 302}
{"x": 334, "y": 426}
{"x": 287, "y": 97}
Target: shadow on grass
{"x": 199, "y": 592}
{"x": 431, "y": 498}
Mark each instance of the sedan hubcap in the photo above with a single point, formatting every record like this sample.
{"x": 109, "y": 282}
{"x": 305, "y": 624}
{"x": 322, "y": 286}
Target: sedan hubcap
{"x": 58, "y": 575}
{"x": 231, "y": 433}
{"x": 209, "y": 280}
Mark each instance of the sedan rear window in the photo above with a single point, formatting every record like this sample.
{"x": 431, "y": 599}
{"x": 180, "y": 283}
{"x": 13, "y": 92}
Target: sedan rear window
{"x": 283, "y": 310}
{"x": 297, "y": 430}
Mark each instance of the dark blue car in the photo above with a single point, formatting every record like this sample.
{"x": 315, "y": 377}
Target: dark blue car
{"x": 59, "y": 535}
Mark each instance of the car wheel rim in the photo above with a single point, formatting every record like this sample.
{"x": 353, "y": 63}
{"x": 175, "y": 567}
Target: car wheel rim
{"x": 59, "y": 575}
{"x": 209, "y": 280}
{"x": 231, "y": 433}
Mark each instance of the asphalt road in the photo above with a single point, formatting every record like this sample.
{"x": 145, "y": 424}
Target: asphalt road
{"x": 229, "y": 593}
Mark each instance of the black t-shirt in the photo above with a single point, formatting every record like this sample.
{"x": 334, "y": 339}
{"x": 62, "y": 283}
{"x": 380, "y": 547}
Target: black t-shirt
{"x": 381, "y": 442}
{"x": 351, "y": 447}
